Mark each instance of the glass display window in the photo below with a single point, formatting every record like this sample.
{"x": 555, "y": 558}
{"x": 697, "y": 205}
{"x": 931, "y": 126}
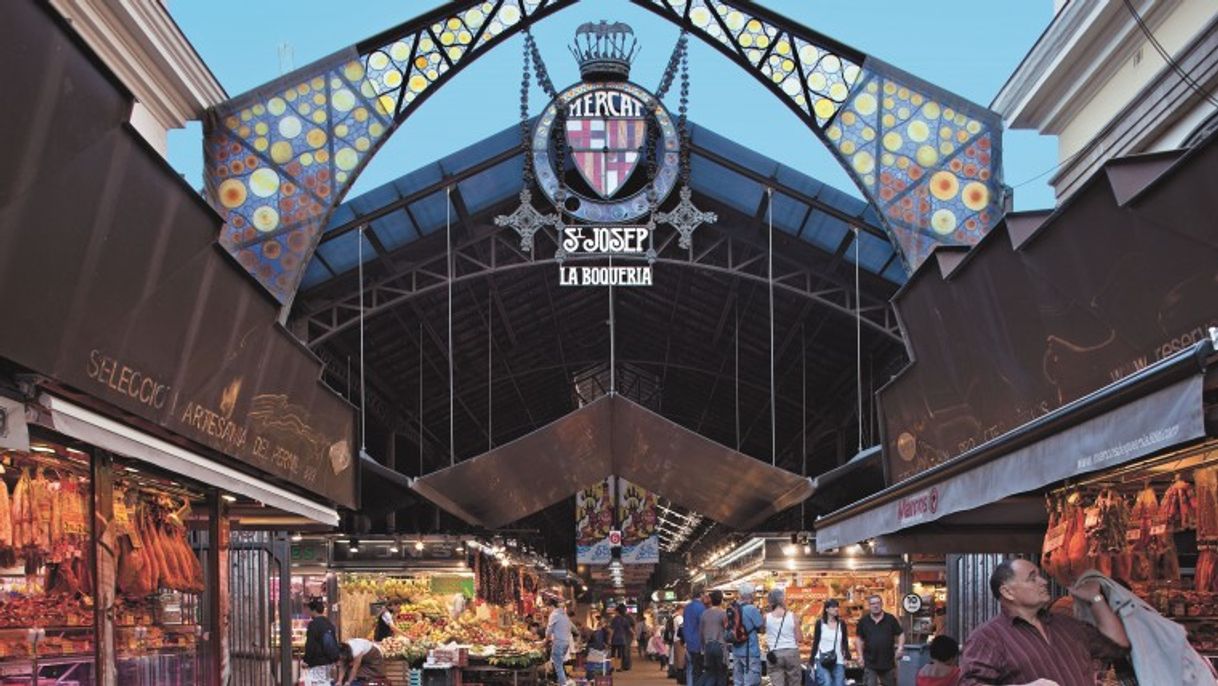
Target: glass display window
{"x": 159, "y": 606}
{"x": 47, "y": 594}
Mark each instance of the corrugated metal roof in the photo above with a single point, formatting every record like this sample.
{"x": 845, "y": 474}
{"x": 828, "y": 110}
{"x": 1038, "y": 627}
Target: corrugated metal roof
{"x": 720, "y": 169}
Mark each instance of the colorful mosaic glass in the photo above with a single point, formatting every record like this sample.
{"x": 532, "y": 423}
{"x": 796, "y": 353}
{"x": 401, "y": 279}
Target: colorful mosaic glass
{"x": 929, "y": 160}
{"x": 279, "y": 159}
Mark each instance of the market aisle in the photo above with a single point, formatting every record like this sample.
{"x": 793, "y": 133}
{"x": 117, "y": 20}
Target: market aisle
{"x": 643, "y": 673}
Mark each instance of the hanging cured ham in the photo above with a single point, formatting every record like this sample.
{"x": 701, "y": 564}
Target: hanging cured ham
{"x": 1076, "y": 561}
{"x": 1142, "y": 516}
{"x": 23, "y": 512}
{"x": 1207, "y": 529}
{"x": 7, "y": 557}
{"x": 1178, "y": 508}
{"x": 1206, "y": 499}
{"x": 1051, "y": 550}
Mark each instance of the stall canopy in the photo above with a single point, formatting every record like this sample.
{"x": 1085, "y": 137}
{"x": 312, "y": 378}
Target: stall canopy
{"x": 382, "y": 489}
{"x": 613, "y": 436}
{"x": 117, "y": 290}
{"x": 1085, "y": 436}
{"x": 1064, "y": 343}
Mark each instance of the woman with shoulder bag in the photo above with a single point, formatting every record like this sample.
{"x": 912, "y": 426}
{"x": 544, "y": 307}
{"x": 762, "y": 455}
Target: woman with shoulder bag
{"x": 783, "y": 636}
{"x": 830, "y": 646}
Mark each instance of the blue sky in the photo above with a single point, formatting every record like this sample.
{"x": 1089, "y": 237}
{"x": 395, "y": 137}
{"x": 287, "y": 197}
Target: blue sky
{"x": 964, "y": 46}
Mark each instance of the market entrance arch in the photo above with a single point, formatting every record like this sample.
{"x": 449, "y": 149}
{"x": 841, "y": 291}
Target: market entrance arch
{"x": 278, "y": 159}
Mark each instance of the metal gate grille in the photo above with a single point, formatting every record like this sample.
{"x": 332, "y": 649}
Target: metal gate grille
{"x": 253, "y": 619}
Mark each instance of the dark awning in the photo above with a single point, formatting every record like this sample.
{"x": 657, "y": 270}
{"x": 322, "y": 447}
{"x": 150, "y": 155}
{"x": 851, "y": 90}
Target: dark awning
{"x": 529, "y": 474}
{"x": 1145, "y": 413}
{"x": 860, "y": 477}
{"x": 613, "y": 437}
{"x": 382, "y": 489}
{"x": 119, "y": 292}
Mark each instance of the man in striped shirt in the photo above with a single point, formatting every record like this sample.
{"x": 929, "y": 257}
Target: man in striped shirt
{"x": 1025, "y": 644}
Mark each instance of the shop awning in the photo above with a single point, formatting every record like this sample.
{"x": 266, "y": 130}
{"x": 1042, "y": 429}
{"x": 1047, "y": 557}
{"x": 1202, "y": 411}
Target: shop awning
{"x": 86, "y": 425}
{"x": 613, "y": 437}
{"x": 382, "y": 489}
{"x": 860, "y": 477}
{"x": 1145, "y": 413}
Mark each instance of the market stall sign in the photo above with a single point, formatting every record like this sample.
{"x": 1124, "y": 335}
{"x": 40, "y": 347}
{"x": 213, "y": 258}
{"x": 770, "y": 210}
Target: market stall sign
{"x": 304, "y": 553}
{"x": 125, "y": 298}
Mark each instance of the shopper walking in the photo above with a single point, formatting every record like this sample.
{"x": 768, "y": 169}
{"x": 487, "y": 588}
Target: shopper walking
{"x": 321, "y": 646}
{"x": 1025, "y": 644}
{"x": 746, "y": 653}
{"x": 362, "y": 664}
{"x": 642, "y": 633}
{"x": 881, "y": 642}
{"x": 691, "y": 622}
{"x": 558, "y": 635}
{"x": 830, "y": 646}
{"x": 712, "y": 628}
{"x": 783, "y": 636}
{"x": 942, "y": 669}
{"x": 623, "y": 636}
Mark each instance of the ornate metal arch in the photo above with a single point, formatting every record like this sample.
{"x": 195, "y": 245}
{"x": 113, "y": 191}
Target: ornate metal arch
{"x": 278, "y": 159}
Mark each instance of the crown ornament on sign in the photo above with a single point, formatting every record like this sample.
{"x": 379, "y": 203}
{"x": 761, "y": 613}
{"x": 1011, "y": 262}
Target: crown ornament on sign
{"x": 605, "y": 51}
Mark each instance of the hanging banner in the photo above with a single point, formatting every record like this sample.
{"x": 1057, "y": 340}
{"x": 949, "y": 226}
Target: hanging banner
{"x": 637, "y": 514}
{"x": 594, "y": 521}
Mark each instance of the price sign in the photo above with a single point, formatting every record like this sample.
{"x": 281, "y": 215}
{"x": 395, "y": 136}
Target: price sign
{"x": 615, "y": 538}
{"x": 1133, "y": 535}
{"x": 1158, "y": 530}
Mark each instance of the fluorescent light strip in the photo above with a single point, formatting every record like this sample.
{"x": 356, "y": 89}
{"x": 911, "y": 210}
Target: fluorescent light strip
{"x": 753, "y": 545}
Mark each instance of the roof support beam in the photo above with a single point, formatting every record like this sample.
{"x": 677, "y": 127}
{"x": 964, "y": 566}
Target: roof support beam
{"x": 409, "y": 282}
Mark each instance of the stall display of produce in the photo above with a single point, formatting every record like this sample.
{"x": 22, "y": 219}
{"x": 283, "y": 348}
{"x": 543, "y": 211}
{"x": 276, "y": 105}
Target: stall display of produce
{"x": 427, "y": 622}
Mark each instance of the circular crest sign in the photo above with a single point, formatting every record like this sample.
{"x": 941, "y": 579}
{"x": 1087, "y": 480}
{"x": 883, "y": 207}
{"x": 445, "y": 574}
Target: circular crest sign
{"x": 606, "y": 133}
{"x": 912, "y": 603}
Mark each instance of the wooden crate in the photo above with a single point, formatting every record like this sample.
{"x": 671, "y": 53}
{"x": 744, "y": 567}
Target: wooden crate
{"x": 398, "y": 672}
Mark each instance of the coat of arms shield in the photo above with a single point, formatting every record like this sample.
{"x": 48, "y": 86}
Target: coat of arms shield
{"x": 606, "y": 149}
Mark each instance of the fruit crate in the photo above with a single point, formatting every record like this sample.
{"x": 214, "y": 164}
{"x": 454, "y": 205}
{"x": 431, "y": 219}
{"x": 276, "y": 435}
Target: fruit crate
{"x": 398, "y": 672}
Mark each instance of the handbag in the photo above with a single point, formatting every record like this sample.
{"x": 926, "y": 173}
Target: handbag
{"x": 770, "y": 656}
{"x": 828, "y": 658}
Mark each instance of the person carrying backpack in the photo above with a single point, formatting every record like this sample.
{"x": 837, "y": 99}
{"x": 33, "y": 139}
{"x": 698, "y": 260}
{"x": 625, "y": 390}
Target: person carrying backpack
{"x": 321, "y": 646}
{"x": 744, "y": 621}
